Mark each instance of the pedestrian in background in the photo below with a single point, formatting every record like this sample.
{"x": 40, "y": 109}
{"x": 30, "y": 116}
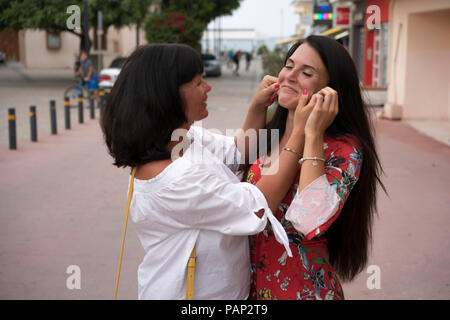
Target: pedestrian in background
{"x": 236, "y": 59}
{"x": 230, "y": 61}
{"x": 190, "y": 196}
{"x": 328, "y": 210}
{"x": 88, "y": 72}
{"x": 248, "y": 59}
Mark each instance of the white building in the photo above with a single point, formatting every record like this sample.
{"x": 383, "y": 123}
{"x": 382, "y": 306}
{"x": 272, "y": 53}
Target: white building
{"x": 223, "y": 40}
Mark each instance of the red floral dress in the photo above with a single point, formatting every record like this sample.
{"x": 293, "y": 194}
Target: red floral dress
{"x": 308, "y": 274}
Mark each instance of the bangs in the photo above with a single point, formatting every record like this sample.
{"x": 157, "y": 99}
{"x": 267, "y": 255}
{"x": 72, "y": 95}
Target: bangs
{"x": 189, "y": 64}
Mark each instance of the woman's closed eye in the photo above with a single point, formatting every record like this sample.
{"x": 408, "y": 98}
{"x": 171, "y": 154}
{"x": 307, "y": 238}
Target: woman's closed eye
{"x": 290, "y": 67}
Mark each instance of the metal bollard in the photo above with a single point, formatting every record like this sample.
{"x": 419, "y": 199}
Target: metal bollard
{"x": 102, "y": 97}
{"x": 91, "y": 104}
{"x": 67, "y": 112}
{"x": 80, "y": 108}
{"x": 33, "y": 124}
{"x": 53, "y": 126}
{"x": 12, "y": 129}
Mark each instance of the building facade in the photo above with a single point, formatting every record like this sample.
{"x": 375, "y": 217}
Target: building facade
{"x": 401, "y": 49}
{"x": 42, "y": 49}
{"x": 39, "y": 49}
{"x": 376, "y": 36}
{"x": 418, "y": 74}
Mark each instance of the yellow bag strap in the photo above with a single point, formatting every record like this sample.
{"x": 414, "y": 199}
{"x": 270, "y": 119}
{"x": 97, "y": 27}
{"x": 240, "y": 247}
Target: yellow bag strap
{"x": 192, "y": 258}
{"x": 190, "y": 276}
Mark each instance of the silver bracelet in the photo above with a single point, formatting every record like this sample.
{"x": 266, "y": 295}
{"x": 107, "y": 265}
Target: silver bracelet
{"x": 293, "y": 151}
{"x": 314, "y": 160}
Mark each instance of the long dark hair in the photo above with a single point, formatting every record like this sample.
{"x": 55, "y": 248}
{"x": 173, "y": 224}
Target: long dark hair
{"x": 350, "y": 235}
{"x": 144, "y": 106}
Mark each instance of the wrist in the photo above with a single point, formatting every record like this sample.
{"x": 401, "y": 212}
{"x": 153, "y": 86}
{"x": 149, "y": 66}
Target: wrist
{"x": 314, "y": 137}
{"x": 298, "y": 133}
{"x": 313, "y": 146}
{"x": 296, "y": 140}
{"x": 257, "y": 106}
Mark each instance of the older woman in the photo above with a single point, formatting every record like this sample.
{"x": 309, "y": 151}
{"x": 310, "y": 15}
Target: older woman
{"x": 191, "y": 196}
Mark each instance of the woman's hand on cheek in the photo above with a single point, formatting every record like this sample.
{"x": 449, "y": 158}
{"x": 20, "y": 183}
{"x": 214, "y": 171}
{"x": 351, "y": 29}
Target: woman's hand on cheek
{"x": 324, "y": 112}
{"x": 267, "y": 92}
{"x": 303, "y": 110}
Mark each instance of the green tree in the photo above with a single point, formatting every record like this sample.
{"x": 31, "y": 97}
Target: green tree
{"x": 172, "y": 27}
{"x": 272, "y": 61}
{"x": 202, "y": 10}
{"x": 199, "y": 14}
{"x": 51, "y": 15}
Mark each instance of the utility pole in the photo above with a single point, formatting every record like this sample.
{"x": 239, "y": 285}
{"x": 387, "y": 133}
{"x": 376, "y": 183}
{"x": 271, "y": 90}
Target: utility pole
{"x": 220, "y": 36}
{"x": 138, "y": 26}
{"x": 99, "y": 40}
{"x": 85, "y": 27}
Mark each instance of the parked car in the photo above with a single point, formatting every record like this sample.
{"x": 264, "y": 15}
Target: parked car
{"x": 107, "y": 77}
{"x": 2, "y": 57}
{"x": 211, "y": 65}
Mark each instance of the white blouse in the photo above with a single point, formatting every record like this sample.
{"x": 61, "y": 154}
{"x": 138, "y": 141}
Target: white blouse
{"x": 198, "y": 200}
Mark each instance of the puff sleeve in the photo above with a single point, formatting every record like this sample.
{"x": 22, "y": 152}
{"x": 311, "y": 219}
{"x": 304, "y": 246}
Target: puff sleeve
{"x": 315, "y": 208}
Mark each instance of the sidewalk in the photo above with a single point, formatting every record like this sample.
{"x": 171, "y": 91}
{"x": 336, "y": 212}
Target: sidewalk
{"x": 410, "y": 241}
{"x": 63, "y": 204}
{"x": 438, "y": 130}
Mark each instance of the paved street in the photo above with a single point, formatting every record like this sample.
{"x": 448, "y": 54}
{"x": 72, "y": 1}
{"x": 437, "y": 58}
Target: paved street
{"x": 62, "y": 203}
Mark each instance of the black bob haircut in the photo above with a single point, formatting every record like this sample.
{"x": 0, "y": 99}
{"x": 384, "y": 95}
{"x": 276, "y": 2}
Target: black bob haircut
{"x": 144, "y": 106}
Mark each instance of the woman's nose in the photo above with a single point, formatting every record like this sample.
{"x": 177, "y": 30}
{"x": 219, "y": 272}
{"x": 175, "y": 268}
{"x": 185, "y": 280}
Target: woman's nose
{"x": 207, "y": 86}
{"x": 292, "y": 75}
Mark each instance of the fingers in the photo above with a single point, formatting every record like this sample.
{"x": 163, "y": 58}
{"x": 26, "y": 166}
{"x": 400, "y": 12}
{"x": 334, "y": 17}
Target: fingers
{"x": 326, "y": 107}
{"x": 272, "y": 91}
{"x": 303, "y": 100}
{"x": 335, "y": 102}
{"x": 330, "y": 100}
{"x": 312, "y": 101}
{"x": 269, "y": 80}
{"x": 272, "y": 99}
{"x": 267, "y": 91}
{"x": 319, "y": 102}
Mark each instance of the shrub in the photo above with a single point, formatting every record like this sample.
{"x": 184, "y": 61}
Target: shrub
{"x": 272, "y": 61}
{"x": 173, "y": 27}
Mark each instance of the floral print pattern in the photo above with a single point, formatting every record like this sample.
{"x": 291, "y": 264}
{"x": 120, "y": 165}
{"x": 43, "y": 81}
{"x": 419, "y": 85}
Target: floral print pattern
{"x": 308, "y": 275}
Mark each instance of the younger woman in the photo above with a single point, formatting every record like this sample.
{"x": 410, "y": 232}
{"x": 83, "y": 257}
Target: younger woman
{"x": 328, "y": 210}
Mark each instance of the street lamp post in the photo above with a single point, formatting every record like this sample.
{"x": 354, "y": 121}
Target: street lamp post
{"x": 99, "y": 39}
{"x": 85, "y": 27}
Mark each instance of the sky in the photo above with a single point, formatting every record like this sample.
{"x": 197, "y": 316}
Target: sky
{"x": 273, "y": 18}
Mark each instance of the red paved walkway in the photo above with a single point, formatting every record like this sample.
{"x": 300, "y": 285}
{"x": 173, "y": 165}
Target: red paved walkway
{"x": 62, "y": 203}
{"x": 411, "y": 236}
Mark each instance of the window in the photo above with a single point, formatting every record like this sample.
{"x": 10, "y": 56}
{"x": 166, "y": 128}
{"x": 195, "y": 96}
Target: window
{"x": 103, "y": 40}
{"x": 53, "y": 40}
